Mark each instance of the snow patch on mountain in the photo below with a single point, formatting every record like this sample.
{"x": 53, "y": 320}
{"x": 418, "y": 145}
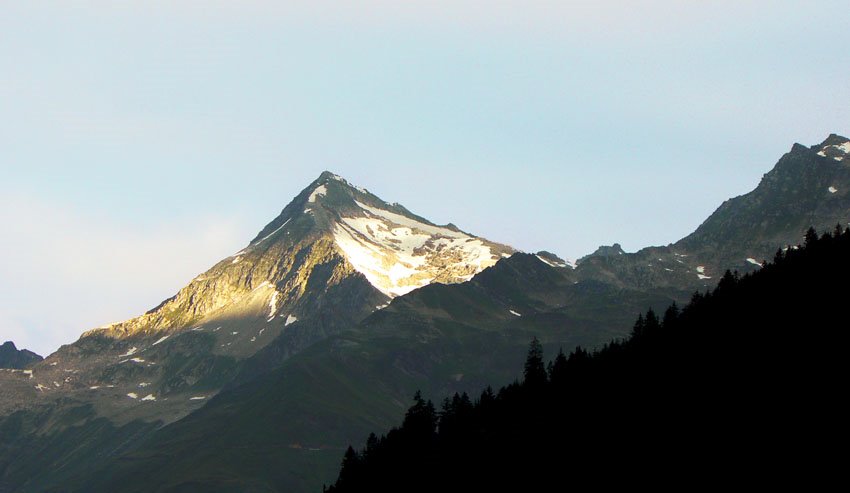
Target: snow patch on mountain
{"x": 273, "y": 232}
{"x": 320, "y": 191}
{"x": 129, "y": 352}
{"x": 161, "y": 339}
{"x": 290, "y": 319}
{"x": 832, "y": 189}
{"x": 554, "y": 263}
{"x": 273, "y": 306}
{"x": 835, "y": 151}
{"x": 398, "y": 254}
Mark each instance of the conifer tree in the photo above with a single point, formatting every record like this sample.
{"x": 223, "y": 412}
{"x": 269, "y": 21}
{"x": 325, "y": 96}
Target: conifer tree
{"x": 670, "y": 316}
{"x": 811, "y": 237}
{"x": 535, "y": 371}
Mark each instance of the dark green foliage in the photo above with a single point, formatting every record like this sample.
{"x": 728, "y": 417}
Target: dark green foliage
{"x": 743, "y": 384}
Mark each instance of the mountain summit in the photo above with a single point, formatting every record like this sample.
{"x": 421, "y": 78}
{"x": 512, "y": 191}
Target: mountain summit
{"x": 13, "y": 358}
{"x": 396, "y": 250}
{"x": 835, "y": 147}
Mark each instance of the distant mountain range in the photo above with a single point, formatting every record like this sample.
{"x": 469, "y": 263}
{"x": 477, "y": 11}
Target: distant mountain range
{"x": 319, "y": 331}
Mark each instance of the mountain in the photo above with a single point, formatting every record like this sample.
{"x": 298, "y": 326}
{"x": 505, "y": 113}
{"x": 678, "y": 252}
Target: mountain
{"x": 12, "y": 358}
{"x": 334, "y": 255}
{"x": 809, "y": 186}
{"x": 318, "y": 332}
{"x": 613, "y": 416}
{"x": 439, "y": 339}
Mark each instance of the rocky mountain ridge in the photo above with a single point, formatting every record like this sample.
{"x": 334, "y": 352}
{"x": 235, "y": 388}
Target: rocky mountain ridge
{"x": 808, "y": 187}
{"x": 13, "y": 358}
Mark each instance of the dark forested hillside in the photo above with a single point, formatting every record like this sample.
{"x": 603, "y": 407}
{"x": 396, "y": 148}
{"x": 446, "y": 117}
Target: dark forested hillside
{"x": 741, "y": 386}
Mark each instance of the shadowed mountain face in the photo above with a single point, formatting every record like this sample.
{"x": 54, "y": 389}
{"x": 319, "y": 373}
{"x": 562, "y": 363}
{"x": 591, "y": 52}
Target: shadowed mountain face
{"x": 321, "y": 329}
{"x": 13, "y": 358}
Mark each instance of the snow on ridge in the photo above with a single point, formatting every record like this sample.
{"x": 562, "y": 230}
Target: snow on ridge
{"x": 754, "y": 261}
{"x": 273, "y": 305}
{"x": 272, "y": 233}
{"x": 554, "y": 263}
{"x": 161, "y": 339}
{"x": 320, "y": 191}
{"x": 396, "y": 253}
{"x": 129, "y": 352}
{"x": 410, "y": 223}
{"x": 843, "y": 148}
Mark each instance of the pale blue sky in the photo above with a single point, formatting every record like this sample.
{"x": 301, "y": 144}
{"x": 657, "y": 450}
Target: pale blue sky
{"x": 142, "y": 141}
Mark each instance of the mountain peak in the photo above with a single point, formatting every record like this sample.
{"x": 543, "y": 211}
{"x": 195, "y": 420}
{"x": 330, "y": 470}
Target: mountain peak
{"x": 327, "y": 235}
{"x": 605, "y": 251}
{"x": 11, "y": 357}
{"x": 396, "y": 250}
{"x": 835, "y": 146}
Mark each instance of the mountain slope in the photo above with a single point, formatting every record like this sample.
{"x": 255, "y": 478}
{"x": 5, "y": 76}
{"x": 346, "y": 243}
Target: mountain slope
{"x": 441, "y": 338}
